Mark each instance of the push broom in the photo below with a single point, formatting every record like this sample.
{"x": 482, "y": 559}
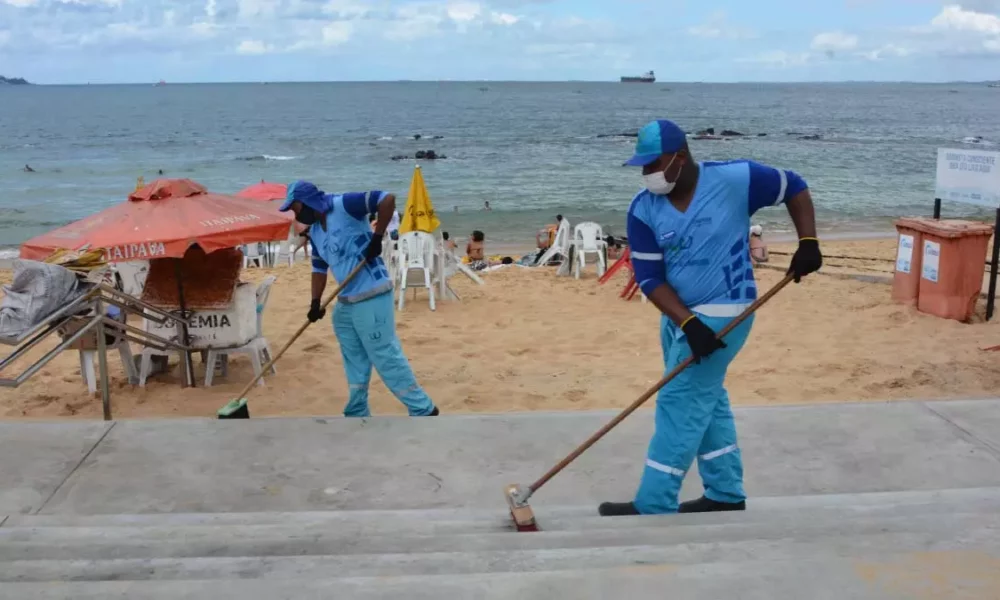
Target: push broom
{"x": 517, "y": 496}
{"x": 237, "y": 409}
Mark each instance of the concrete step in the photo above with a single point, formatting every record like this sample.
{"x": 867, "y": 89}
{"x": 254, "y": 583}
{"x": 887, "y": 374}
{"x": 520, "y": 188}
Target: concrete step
{"x": 109, "y": 543}
{"x": 551, "y": 518}
{"x": 942, "y": 574}
{"x": 860, "y": 546}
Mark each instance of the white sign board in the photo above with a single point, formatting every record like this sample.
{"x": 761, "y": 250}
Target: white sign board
{"x": 904, "y": 256}
{"x": 932, "y": 261}
{"x": 968, "y": 176}
{"x": 227, "y": 328}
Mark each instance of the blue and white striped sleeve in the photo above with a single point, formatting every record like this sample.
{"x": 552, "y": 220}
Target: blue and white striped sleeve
{"x": 361, "y": 204}
{"x": 647, "y": 256}
{"x": 769, "y": 186}
{"x": 318, "y": 264}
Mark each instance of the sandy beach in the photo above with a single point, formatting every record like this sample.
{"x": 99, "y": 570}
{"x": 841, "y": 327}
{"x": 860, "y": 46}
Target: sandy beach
{"x": 531, "y": 341}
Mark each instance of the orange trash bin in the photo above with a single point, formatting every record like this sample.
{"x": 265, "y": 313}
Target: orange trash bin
{"x": 953, "y": 256}
{"x": 906, "y": 278}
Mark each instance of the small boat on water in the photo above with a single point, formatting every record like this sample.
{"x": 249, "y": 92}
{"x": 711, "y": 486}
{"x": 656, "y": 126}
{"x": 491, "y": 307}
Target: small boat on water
{"x": 649, "y": 77}
{"x": 160, "y": 83}
{"x": 995, "y": 84}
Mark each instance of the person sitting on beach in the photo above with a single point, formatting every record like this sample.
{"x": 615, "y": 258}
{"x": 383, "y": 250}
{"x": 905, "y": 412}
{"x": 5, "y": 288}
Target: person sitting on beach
{"x": 758, "y": 249}
{"x": 449, "y": 244}
{"x": 547, "y": 236}
{"x": 475, "y": 250}
{"x": 614, "y": 247}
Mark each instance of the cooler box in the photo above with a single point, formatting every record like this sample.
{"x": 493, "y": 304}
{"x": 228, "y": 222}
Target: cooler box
{"x": 953, "y": 257}
{"x": 906, "y": 279}
{"x": 226, "y": 328}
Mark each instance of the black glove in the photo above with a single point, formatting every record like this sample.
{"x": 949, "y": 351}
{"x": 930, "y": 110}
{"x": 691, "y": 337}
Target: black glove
{"x": 374, "y": 249}
{"x": 701, "y": 338}
{"x": 807, "y": 259}
{"x": 316, "y": 312}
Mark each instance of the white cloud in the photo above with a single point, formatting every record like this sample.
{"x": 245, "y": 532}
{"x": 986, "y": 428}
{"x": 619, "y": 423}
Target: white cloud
{"x": 4, "y": 38}
{"x": 250, "y": 9}
{"x": 499, "y": 18}
{"x": 886, "y": 51}
{"x": 346, "y": 9}
{"x": 955, "y": 18}
{"x": 834, "y": 41}
{"x": 464, "y": 12}
{"x": 718, "y": 26}
{"x": 19, "y": 3}
{"x": 252, "y": 47}
{"x": 337, "y": 32}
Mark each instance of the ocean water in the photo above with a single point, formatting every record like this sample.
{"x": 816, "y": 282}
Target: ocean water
{"x": 531, "y": 149}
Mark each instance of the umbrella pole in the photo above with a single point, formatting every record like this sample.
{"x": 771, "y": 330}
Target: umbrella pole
{"x": 188, "y": 360}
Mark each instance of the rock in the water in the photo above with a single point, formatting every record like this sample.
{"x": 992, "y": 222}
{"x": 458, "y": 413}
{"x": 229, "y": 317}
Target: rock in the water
{"x": 707, "y": 131}
{"x": 401, "y": 157}
{"x": 628, "y": 134}
{"x": 761, "y": 134}
{"x": 814, "y": 136}
{"x": 417, "y": 136}
{"x": 731, "y": 133}
{"x": 421, "y": 154}
{"x": 430, "y": 155}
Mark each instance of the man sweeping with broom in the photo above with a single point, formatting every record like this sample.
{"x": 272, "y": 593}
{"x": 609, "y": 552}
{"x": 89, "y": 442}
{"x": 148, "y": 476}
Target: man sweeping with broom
{"x": 690, "y": 250}
{"x": 364, "y": 319}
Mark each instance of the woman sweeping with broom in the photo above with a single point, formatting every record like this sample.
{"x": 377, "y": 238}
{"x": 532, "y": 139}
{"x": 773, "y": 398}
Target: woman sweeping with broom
{"x": 364, "y": 319}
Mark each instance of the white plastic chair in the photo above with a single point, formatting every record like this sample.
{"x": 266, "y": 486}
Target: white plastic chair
{"x": 89, "y": 357}
{"x": 252, "y": 256}
{"x": 559, "y": 248}
{"x": 588, "y": 238}
{"x": 416, "y": 257}
{"x": 258, "y": 349}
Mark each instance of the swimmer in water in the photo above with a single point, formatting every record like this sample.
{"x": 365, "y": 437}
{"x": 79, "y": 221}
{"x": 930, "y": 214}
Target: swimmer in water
{"x": 28, "y": 169}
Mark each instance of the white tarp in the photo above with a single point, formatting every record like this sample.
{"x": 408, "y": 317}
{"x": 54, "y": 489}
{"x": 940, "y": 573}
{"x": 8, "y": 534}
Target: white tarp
{"x": 38, "y": 290}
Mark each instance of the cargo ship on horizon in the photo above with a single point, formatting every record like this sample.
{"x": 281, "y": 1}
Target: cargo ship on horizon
{"x": 649, "y": 77}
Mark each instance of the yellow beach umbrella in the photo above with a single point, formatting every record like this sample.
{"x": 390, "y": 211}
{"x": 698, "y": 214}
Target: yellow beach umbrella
{"x": 419, "y": 214}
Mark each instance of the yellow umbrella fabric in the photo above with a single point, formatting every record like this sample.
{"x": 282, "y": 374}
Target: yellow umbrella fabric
{"x": 419, "y": 214}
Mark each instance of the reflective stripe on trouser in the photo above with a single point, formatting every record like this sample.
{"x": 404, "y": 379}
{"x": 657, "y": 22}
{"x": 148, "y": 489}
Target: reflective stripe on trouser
{"x": 366, "y": 332}
{"x": 693, "y": 418}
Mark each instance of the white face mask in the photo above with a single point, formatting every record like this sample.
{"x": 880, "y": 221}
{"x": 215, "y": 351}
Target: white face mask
{"x": 657, "y": 182}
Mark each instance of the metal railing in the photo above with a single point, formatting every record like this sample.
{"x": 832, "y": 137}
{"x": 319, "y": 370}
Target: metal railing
{"x": 92, "y": 304}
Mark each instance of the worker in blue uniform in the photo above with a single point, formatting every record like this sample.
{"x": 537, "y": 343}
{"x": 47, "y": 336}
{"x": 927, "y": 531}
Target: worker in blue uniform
{"x": 688, "y": 233}
{"x": 364, "y": 319}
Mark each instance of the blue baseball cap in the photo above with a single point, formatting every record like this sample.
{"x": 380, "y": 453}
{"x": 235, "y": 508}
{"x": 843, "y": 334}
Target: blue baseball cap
{"x": 656, "y": 139}
{"x": 301, "y": 191}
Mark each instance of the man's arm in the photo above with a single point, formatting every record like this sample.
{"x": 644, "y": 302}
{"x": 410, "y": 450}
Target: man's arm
{"x": 650, "y": 271}
{"x": 319, "y": 274}
{"x": 386, "y": 209}
{"x": 769, "y": 186}
{"x": 800, "y": 208}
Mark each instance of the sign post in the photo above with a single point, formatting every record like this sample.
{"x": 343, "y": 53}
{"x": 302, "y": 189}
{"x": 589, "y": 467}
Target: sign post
{"x": 972, "y": 177}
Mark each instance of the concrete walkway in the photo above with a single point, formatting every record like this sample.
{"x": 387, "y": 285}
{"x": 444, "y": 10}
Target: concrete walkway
{"x": 842, "y": 498}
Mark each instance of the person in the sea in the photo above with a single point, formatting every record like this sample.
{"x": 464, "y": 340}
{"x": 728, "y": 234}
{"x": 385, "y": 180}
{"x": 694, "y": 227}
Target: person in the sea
{"x": 486, "y": 206}
{"x": 28, "y": 169}
{"x": 687, "y": 232}
{"x": 475, "y": 250}
{"x": 758, "y": 248}
{"x": 364, "y": 319}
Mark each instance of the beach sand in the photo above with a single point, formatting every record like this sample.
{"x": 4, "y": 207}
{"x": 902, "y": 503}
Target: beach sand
{"x": 531, "y": 341}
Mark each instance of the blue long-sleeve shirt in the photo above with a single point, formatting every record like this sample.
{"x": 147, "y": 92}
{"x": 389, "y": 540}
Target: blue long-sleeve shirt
{"x": 703, "y": 253}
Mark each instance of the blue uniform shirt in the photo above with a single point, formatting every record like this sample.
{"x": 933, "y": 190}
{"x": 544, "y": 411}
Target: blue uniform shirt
{"x": 342, "y": 245}
{"x": 704, "y": 253}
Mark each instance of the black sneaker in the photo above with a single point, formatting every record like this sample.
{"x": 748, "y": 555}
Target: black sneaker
{"x": 617, "y": 509}
{"x": 704, "y": 504}
{"x": 434, "y": 412}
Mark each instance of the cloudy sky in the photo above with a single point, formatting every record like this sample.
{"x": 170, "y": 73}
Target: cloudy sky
{"x": 76, "y": 41}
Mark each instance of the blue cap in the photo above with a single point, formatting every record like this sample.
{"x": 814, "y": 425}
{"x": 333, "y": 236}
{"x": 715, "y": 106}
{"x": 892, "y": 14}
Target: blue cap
{"x": 656, "y": 139}
{"x": 300, "y": 191}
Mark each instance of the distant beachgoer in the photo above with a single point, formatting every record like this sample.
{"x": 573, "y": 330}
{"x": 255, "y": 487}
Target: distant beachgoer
{"x": 455, "y": 209}
{"x": 476, "y": 250}
{"x": 28, "y": 169}
{"x": 614, "y": 247}
{"x": 486, "y": 206}
{"x": 758, "y": 249}
{"x": 449, "y": 243}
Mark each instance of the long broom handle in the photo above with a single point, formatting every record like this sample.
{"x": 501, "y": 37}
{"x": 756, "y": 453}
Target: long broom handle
{"x": 296, "y": 335}
{"x": 651, "y": 391}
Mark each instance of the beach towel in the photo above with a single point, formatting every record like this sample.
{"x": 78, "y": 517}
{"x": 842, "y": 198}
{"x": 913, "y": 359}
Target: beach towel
{"x": 38, "y": 290}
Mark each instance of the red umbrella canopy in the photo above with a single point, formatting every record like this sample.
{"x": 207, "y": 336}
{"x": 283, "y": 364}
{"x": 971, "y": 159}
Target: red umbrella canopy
{"x": 264, "y": 191}
{"x": 164, "y": 219}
